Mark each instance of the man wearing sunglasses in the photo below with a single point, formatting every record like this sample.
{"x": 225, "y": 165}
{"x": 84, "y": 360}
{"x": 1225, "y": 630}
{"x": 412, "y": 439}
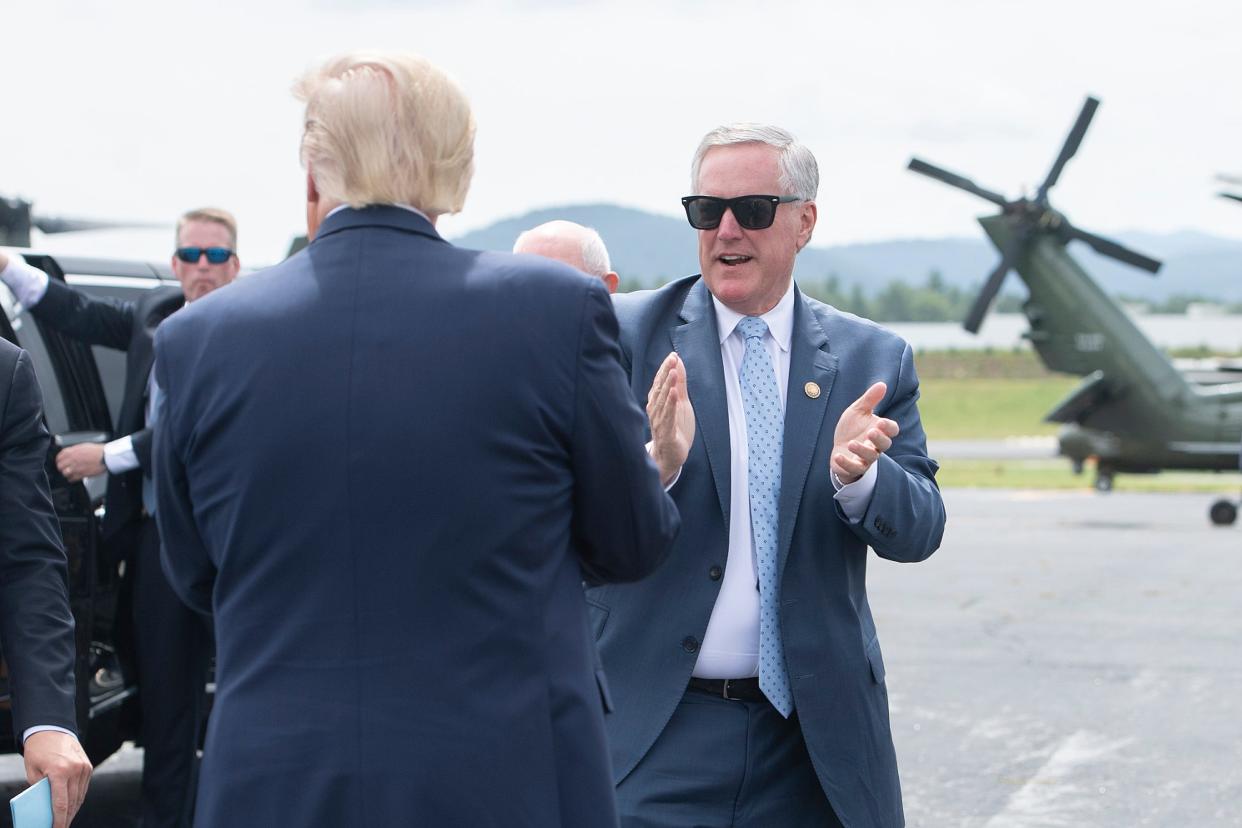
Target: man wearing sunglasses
{"x": 171, "y": 643}
{"x": 746, "y": 673}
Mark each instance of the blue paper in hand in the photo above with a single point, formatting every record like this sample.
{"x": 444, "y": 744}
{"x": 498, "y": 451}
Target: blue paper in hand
{"x": 32, "y": 808}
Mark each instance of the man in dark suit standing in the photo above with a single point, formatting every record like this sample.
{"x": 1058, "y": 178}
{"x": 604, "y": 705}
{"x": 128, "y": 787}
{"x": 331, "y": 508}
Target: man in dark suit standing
{"x": 36, "y": 628}
{"x": 386, "y": 464}
{"x": 172, "y": 643}
{"x": 746, "y": 673}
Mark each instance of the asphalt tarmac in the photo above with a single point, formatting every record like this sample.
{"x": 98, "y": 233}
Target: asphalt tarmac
{"x": 1068, "y": 659}
{"x": 1065, "y": 659}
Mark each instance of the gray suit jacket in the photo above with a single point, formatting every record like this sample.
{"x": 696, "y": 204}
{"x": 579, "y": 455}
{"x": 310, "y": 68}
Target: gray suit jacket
{"x": 649, "y": 631}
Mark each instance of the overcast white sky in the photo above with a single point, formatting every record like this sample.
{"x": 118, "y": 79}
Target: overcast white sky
{"x": 142, "y": 110}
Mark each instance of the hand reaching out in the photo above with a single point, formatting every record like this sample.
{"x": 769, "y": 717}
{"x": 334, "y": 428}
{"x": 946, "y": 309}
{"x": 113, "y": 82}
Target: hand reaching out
{"x": 861, "y": 436}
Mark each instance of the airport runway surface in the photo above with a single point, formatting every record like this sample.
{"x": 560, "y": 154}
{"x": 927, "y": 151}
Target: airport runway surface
{"x": 1066, "y": 659}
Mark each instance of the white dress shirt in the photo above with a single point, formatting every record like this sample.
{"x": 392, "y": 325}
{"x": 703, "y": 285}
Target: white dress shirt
{"x": 730, "y": 647}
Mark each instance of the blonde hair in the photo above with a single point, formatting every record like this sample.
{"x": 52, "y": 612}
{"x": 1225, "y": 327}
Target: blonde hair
{"x": 222, "y": 217}
{"x": 387, "y": 128}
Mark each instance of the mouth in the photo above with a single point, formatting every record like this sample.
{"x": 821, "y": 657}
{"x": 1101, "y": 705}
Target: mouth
{"x": 732, "y": 260}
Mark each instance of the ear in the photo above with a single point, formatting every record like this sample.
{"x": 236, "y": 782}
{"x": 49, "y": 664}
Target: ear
{"x": 312, "y": 204}
{"x": 806, "y": 223}
{"x": 611, "y": 279}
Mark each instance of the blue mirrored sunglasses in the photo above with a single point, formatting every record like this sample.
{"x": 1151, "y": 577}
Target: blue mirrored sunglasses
{"x": 215, "y": 255}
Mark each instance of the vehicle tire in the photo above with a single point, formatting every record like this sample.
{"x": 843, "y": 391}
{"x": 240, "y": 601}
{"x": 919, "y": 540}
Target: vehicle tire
{"x": 1103, "y": 482}
{"x": 1223, "y": 513}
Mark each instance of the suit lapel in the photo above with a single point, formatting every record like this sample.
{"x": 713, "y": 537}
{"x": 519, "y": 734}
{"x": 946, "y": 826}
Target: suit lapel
{"x": 156, "y": 311}
{"x": 809, "y": 361}
{"x": 697, "y": 342}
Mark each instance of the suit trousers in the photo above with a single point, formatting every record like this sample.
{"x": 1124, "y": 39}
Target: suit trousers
{"x": 173, "y": 646}
{"x": 725, "y": 764}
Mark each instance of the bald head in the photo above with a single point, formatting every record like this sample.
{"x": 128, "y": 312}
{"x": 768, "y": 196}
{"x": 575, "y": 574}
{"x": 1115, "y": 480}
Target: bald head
{"x": 577, "y": 246}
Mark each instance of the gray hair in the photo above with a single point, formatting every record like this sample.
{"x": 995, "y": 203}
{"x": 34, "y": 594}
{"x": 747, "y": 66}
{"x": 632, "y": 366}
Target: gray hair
{"x": 799, "y": 172}
{"x": 595, "y": 259}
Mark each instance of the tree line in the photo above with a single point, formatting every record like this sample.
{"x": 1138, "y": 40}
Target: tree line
{"x": 938, "y": 301}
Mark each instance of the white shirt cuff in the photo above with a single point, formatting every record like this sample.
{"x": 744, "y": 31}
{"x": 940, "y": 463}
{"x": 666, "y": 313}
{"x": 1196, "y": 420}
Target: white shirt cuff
{"x": 30, "y": 731}
{"x": 27, "y": 282}
{"x": 676, "y": 477}
{"x": 856, "y": 497}
{"x": 119, "y": 455}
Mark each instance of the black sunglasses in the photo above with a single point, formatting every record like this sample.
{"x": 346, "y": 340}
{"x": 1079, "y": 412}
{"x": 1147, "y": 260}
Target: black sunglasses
{"x": 753, "y": 212}
{"x": 215, "y": 255}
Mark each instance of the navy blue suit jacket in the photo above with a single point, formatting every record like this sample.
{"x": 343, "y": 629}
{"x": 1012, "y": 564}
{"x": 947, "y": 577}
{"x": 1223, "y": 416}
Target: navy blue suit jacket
{"x": 648, "y": 632}
{"x": 384, "y": 465}
{"x": 36, "y": 627}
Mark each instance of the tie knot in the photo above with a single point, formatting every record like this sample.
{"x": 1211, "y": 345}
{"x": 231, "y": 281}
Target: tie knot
{"x": 752, "y": 327}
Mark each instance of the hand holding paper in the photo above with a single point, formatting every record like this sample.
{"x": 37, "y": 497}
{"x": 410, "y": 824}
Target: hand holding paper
{"x": 59, "y": 757}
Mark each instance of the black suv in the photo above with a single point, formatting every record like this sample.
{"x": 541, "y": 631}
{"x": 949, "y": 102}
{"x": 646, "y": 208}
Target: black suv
{"x": 82, "y": 387}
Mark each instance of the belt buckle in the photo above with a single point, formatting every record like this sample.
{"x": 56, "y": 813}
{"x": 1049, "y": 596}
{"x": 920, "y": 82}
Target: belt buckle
{"x": 724, "y": 690}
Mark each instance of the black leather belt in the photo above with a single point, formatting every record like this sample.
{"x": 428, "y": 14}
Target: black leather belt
{"x": 746, "y": 689}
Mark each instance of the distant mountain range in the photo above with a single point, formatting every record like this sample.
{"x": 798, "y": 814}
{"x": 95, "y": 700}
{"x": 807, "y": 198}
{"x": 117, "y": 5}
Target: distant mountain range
{"x": 651, "y": 249}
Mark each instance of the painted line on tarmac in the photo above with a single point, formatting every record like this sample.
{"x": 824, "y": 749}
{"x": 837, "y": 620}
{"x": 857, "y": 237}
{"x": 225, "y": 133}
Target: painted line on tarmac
{"x": 1059, "y": 793}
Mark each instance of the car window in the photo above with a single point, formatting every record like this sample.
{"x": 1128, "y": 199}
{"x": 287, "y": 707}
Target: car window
{"x": 28, "y": 337}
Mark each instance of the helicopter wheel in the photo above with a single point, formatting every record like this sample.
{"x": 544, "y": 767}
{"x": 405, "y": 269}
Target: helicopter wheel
{"x": 1223, "y": 513}
{"x": 1103, "y": 482}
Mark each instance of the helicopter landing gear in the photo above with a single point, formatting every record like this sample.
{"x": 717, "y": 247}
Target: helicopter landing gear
{"x": 1103, "y": 480}
{"x": 1223, "y": 513}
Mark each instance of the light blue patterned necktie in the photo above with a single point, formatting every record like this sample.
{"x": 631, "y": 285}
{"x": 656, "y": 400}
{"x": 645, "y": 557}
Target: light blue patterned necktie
{"x": 765, "y": 431}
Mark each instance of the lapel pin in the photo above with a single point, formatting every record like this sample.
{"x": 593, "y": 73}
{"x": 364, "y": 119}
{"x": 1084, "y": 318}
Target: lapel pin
{"x": 812, "y": 390}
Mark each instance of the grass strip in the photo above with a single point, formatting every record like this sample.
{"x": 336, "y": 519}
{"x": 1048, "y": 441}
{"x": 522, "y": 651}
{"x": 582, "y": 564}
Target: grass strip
{"x": 1057, "y": 474}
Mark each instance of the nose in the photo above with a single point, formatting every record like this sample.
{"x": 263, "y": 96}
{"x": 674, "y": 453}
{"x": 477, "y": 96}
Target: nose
{"x": 729, "y": 228}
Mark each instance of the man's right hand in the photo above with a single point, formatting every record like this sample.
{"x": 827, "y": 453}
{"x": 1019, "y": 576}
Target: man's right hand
{"x": 672, "y": 418}
{"x": 82, "y": 460}
{"x": 59, "y": 757}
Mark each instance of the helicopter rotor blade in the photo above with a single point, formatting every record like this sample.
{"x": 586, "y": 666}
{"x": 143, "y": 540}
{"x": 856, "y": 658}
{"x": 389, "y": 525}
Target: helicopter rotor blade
{"x": 974, "y": 319}
{"x": 954, "y": 180}
{"x": 48, "y": 224}
{"x": 1233, "y": 196}
{"x": 1072, "y": 142}
{"x": 1107, "y": 247}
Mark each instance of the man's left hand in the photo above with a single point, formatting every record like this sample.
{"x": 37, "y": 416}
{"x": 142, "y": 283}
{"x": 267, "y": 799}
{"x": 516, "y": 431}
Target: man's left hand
{"x": 82, "y": 460}
{"x": 60, "y": 758}
{"x": 861, "y": 436}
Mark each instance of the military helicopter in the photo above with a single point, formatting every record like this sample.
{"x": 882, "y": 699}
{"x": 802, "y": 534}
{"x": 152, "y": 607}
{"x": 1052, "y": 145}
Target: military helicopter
{"x": 1134, "y": 411}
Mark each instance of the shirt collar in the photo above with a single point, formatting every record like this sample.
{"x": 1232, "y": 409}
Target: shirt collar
{"x": 779, "y": 319}
{"x": 338, "y": 208}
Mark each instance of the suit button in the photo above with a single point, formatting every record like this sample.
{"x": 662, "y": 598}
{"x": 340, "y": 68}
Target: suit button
{"x": 689, "y": 644}
{"x": 714, "y": 573}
